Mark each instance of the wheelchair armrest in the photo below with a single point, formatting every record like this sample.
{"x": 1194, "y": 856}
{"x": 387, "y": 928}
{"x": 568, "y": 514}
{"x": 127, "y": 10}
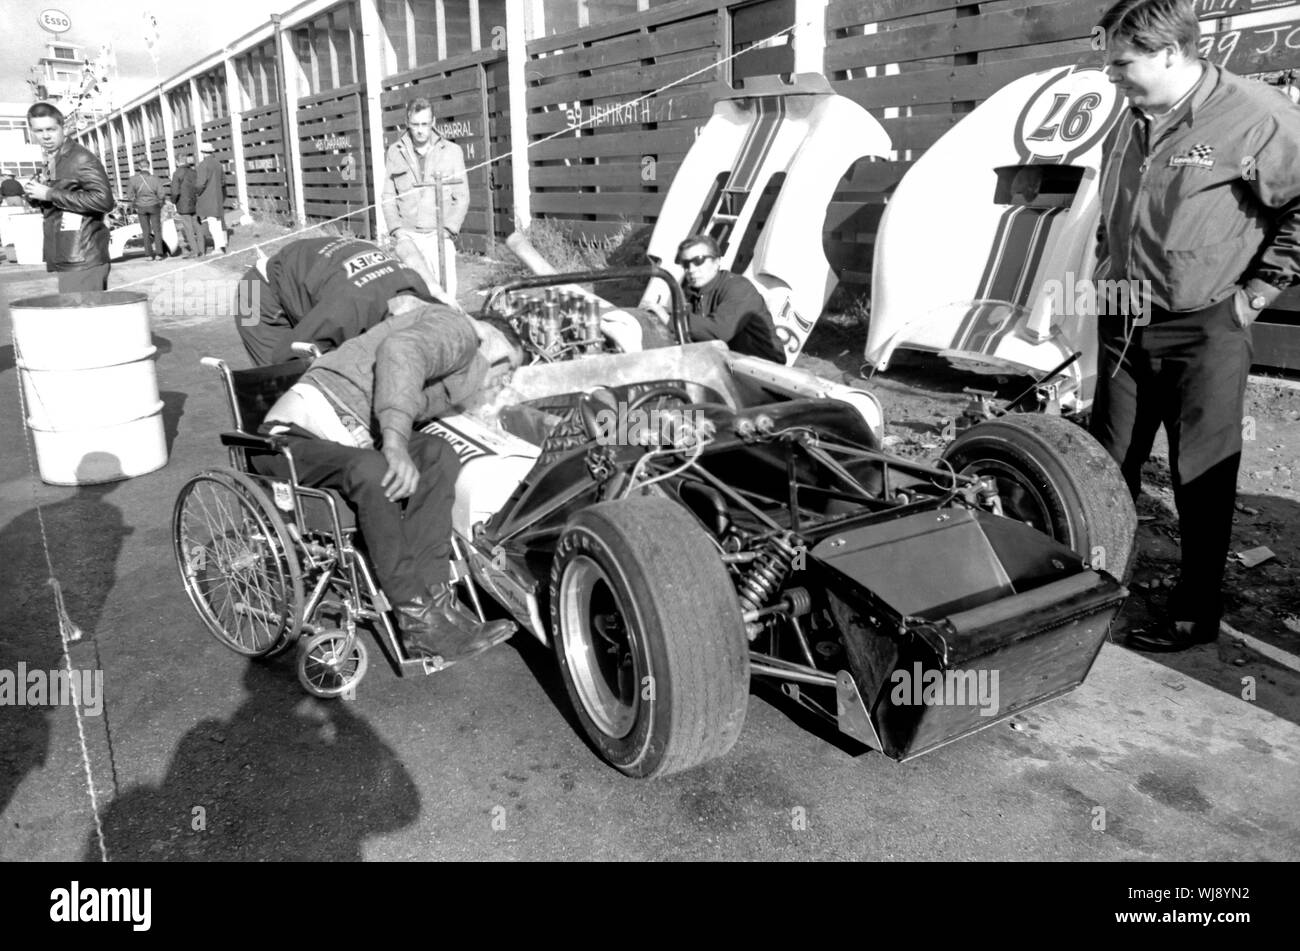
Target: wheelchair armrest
{"x": 253, "y": 441}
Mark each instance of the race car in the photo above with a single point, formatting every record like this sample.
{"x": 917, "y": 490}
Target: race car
{"x": 678, "y": 521}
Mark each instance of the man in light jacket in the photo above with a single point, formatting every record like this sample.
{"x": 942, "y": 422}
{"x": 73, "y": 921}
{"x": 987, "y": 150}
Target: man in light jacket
{"x": 418, "y": 165}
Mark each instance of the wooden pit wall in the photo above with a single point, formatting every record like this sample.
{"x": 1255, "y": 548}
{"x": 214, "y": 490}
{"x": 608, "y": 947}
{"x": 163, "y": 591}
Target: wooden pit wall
{"x": 158, "y": 153}
{"x": 140, "y": 154}
{"x": 265, "y": 162}
{"x": 468, "y": 96}
{"x": 617, "y": 165}
{"x": 183, "y": 145}
{"x": 932, "y": 61}
{"x": 332, "y": 141}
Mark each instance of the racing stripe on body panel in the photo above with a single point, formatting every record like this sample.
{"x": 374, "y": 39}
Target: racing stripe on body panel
{"x": 1024, "y": 232}
{"x": 1028, "y": 277}
{"x": 991, "y": 266}
{"x": 1025, "y": 238}
{"x": 758, "y": 142}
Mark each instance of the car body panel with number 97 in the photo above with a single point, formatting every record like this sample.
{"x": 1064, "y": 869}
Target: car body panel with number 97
{"x": 986, "y": 251}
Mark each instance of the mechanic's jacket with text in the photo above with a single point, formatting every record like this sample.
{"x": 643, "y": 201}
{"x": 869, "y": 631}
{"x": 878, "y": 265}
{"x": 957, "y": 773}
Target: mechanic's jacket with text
{"x": 1212, "y": 204}
{"x": 80, "y": 196}
{"x": 332, "y": 289}
{"x": 418, "y": 365}
{"x": 410, "y": 197}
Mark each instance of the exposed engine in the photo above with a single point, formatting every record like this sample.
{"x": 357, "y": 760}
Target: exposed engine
{"x": 554, "y": 324}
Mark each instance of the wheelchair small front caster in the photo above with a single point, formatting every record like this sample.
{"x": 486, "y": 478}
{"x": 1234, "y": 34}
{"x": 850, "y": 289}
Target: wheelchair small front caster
{"x": 331, "y": 664}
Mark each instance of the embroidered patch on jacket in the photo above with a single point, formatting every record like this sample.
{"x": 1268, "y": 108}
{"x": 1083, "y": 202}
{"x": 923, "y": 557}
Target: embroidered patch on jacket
{"x": 1201, "y": 156}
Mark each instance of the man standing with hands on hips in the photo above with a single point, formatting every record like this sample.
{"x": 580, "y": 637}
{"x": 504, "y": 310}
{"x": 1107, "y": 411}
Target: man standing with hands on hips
{"x": 74, "y": 198}
{"x": 1200, "y": 206}
{"x": 426, "y": 197}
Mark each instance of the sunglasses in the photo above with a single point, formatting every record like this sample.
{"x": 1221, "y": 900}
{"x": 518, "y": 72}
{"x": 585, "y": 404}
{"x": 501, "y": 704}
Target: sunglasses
{"x": 695, "y": 261}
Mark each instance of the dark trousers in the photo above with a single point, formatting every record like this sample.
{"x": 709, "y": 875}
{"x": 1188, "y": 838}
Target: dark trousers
{"x": 1187, "y": 372}
{"x": 189, "y": 232}
{"x": 409, "y": 541}
{"x": 93, "y": 278}
{"x": 151, "y": 229}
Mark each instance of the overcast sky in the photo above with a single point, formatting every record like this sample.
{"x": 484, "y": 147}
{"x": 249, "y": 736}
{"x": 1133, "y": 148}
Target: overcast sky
{"x": 189, "y": 31}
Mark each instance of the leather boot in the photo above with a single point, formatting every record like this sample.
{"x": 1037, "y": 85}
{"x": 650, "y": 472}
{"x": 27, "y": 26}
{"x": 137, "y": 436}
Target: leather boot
{"x": 438, "y": 625}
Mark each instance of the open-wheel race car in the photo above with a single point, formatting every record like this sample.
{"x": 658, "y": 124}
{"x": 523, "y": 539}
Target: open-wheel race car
{"x": 677, "y": 521}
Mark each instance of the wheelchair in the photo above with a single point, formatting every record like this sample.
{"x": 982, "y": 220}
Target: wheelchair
{"x": 265, "y": 560}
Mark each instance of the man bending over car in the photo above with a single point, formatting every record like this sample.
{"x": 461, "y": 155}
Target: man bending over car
{"x": 350, "y": 424}
{"x": 322, "y": 291}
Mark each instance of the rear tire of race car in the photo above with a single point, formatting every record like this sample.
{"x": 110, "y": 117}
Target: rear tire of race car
{"x": 649, "y": 636}
{"x": 1052, "y": 474}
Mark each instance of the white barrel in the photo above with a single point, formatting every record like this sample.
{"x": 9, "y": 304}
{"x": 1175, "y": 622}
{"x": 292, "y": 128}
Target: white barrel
{"x": 91, "y": 391}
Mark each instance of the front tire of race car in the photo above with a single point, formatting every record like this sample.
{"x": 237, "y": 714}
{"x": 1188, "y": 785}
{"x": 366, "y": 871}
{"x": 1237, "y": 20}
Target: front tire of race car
{"x": 1054, "y": 476}
{"x": 649, "y": 637}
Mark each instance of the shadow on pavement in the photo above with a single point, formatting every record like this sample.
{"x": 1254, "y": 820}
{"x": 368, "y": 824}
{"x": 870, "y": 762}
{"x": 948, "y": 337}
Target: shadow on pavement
{"x": 85, "y": 535}
{"x": 173, "y": 412}
{"x": 286, "y": 777}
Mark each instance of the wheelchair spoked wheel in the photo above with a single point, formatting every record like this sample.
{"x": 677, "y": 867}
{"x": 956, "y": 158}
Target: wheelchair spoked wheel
{"x": 332, "y": 663}
{"x": 238, "y": 566}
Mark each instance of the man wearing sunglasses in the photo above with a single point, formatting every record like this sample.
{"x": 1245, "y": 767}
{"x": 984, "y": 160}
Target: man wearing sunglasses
{"x": 350, "y": 422}
{"x": 724, "y": 306}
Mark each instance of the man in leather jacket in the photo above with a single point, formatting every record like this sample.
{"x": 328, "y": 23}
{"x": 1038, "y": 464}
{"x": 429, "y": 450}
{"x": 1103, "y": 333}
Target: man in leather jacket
{"x": 74, "y": 198}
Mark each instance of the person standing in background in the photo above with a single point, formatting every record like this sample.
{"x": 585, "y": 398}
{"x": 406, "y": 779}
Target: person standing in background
{"x": 210, "y": 202}
{"x": 11, "y": 192}
{"x": 420, "y": 165}
{"x": 74, "y": 198}
{"x": 184, "y": 191}
{"x": 146, "y": 192}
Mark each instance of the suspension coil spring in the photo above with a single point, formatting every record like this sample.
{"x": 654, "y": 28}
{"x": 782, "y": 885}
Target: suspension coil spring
{"x": 763, "y": 579}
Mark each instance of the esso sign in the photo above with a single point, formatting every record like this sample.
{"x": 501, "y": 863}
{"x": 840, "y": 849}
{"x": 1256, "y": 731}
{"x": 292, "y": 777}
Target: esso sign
{"x": 56, "y": 21}
{"x": 1067, "y": 115}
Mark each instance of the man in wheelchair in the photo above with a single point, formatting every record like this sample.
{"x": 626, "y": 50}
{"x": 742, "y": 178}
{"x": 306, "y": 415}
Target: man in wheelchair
{"x": 349, "y": 423}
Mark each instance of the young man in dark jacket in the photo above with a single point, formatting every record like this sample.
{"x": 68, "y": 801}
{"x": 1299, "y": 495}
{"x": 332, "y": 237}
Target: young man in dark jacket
{"x": 350, "y": 425}
{"x": 74, "y": 199}
{"x": 184, "y": 191}
{"x": 323, "y": 291}
{"x": 1200, "y": 204}
{"x": 724, "y": 306}
{"x": 146, "y": 192}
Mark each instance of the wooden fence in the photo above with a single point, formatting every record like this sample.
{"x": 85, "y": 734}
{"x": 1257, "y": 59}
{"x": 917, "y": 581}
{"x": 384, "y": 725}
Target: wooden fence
{"x": 265, "y": 160}
{"x": 139, "y": 155}
{"x": 332, "y": 131}
{"x": 158, "y": 153}
{"x": 183, "y": 144}
{"x": 604, "y": 144}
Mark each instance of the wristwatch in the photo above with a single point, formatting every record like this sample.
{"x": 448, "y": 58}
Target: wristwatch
{"x": 1258, "y": 302}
